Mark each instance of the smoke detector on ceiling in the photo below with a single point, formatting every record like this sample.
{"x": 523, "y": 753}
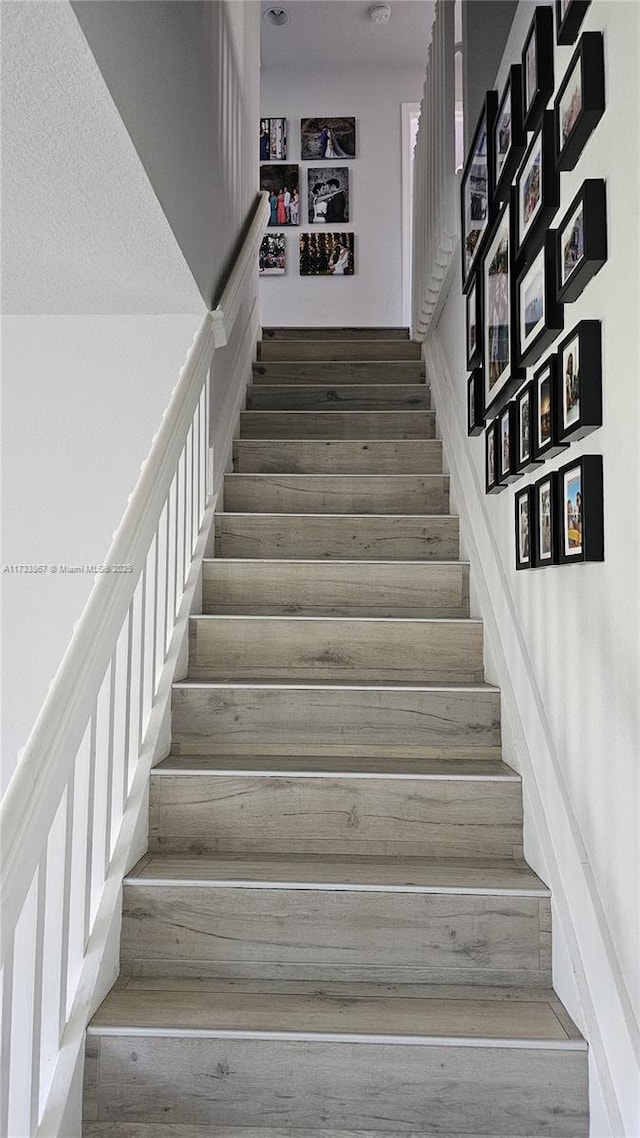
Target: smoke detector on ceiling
{"x": 276, "y": 16}
{"x": 379, "y": 13}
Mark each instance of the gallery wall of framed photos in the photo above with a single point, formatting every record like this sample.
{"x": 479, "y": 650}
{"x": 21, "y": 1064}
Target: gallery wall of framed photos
{"x": 536, "y": 378}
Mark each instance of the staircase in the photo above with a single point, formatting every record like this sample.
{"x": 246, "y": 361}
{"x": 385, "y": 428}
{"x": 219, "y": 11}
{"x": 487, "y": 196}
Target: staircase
{"x": 333, "y": 932}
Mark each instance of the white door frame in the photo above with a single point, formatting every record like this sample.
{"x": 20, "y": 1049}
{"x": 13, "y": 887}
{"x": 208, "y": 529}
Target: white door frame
{"x": 409, "y": 113}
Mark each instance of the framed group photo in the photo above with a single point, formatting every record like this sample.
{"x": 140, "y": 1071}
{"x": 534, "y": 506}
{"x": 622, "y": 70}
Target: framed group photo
{"x": 272, "y": 258}
{"x": 476, "y": 189}
{"x": 501, "y": 374}
{"x": 581, "y": 522}
{"x": 579, "y": 104}
{"x": 282, "y": 185}
{"x": 581, "y": 249}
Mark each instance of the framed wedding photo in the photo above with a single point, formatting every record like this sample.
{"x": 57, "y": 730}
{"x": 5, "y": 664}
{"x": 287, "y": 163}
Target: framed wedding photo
{"x": 509, "y": 139}
{"x": 581, "y": 237}
{"x": 580, "y": 381}
{"x": 525, "y": 407}
{"x": 474, "y": 323}
{"x": 546, "y": 441}
{"x": 579, "y": 104}
{"x": 537, "y": 67}
{"x": 328, "y": 195}
{"x": 327, "y": 254}
{"x": 545, "y": 544}
{"x": 476, "y": 189}
{"x": 475, "y": 393}
{"x": 272, "y": 258}
{"x": 282, "y": 186}
{"x": 525, "y": 525}
{"x": 507, "y": 471}
{"x": 493, "y": 485}
{"x": 273, "y": 140}
{"x": 539, "y": 317}
{"x": 569, "y": 17}
{"x": 501, "y": 375}
{"x": 537, "y": 188}
{"x": 581, "y": 510}
{"x": 328, "y": 138}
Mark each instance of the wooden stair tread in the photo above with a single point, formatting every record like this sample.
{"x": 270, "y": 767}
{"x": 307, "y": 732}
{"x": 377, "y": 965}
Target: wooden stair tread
{"x": 271, "y": 1007}
{"x": 322, "y": 766}
{"x": 336, "y": 685}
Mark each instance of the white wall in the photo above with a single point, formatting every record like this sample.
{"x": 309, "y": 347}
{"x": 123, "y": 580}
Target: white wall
{"x": 563, "y": 642}
{"x": 373, "y": 296}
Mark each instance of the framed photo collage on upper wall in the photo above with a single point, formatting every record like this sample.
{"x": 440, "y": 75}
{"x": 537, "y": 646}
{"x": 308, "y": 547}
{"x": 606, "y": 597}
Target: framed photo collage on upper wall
{"x": 535, "y": 376}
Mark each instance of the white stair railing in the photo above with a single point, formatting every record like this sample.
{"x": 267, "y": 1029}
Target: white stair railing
{"x": 69, "y": 817}
{"x": 435, "y": 194}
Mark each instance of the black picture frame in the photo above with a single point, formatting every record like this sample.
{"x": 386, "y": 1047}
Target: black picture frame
{"x": 524, "y": 427}
{"x": 493, "y": 485}
{"x": 545, "y": 539}
{"x": 569, "y": 17}
{"x": 480, "y": 156}
{"x": 579, "y": 370}
{"x": 537, "y": 67}
{"x": 581, "y": 237}
{"x": 539, "y": 317}
{"x": 507, "y": 469}
{"x": 524, "y": 510}
{"x": 502, "y": 372}
{"x": 537, "y": 190}
{"x": 475, "y": 392}
{"x": 580, "y": 510}
{"x": 474, "y": 329}
{"x": 546, "y": 436}
{"x": 580, "y": 102}
{"x": 509, "y": 138}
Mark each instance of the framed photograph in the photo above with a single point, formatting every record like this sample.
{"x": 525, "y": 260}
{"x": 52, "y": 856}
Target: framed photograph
{"x": 509, "y": 139}
{"x": 545, "y": 542}
{"x": 327, "y": 255}
{"x": 327, "y": 138}
{"x": 282, "y": 186}
{"x": 475, "y": 393}
{"x": 525, "y": 526}
{"x": 507, "y": 440}
{"x": 328, "y": 195}
{"x": 581, "y": 510}
{"x": 537, "y": 189}
{"x": 525, "y": 406}
{"x": 476, "y": 189}
{"x": 272, "y": 258}
{"x": 569, "y": 17}
{"x": 579, "y": 104}
{"x": 273, "y": 140}
{"x": 474, "y": 323}
{"x": 539, "y": 317}
{"x": 580, "y": 381}
{"x": 546, "y": 441}
{"x": 493, "y": 485}
{"x": 501, "y": 375}
{"x": 537, "y": 67}
{"x": 581, "y": 240}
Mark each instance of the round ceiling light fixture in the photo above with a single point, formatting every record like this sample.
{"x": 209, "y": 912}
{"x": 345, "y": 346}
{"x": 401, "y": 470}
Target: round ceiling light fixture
{"x": 278, "y": 17}
{"x": 379, "y": 13}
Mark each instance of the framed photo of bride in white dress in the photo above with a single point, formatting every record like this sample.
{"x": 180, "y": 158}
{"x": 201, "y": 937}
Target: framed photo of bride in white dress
{"x": 326, "y": 138}
{"x": 328, "y": 194}
{"x": 327, "y": 254}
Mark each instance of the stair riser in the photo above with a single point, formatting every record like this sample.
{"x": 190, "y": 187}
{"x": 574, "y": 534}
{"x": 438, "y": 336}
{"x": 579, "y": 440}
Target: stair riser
{"x": 333, "y": 537}
{"x": 326, "y": 721}
{"x": 308, "y": 456}
{"x": 336, "y": 588}
{"x": 338, "y": 372}
{"x": 338, "y": 350}
{"x": 324, "y": 934}
{"x": 337, "y": 425}
{"x": 339, "y": 398}
{"x": 387, "y": 651}
{"x": 328, "y": 494}
{"x": 203, "y": 813}
{"x": 335, "y": 333}
{"x": 461, "y": 1091}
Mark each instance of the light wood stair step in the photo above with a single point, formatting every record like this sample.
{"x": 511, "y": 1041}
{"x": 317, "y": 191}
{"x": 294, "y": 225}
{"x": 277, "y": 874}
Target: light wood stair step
{"x": 347, "y": 537}
{"x": 374, "y": 397}
{"x": 338, "y": 456}
{"x": 461, "y": 921}
{"x": 335, "y": 333}
{"x": 337, "y": 425}
{"x": 337, "y": 493}
{"x": 379, "y": 807}
{"x": 336, "y": 588}
{"x": 364, "y": 649}
{"x": 337, "y": 349}
{"x": 336, "y": 719}
{"x": 337, "y": 371}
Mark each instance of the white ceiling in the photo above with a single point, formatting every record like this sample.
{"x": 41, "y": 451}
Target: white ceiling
{"x": 336, "y": 34}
